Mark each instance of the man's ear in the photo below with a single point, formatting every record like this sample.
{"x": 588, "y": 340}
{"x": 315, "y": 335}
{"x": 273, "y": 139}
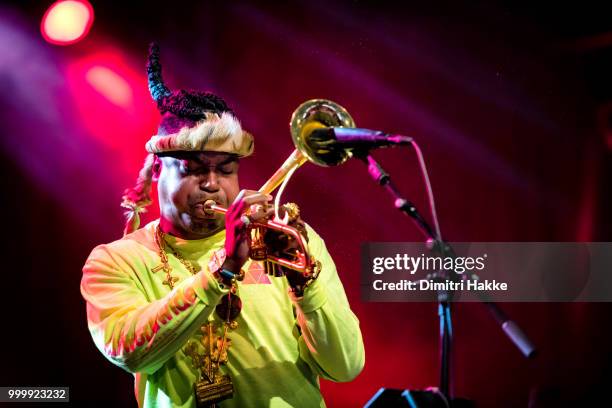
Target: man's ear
{"x": 156, "y": 170}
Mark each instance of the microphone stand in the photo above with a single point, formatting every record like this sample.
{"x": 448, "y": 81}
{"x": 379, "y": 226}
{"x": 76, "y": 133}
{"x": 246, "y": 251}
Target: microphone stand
{"x": 518, "y": 338}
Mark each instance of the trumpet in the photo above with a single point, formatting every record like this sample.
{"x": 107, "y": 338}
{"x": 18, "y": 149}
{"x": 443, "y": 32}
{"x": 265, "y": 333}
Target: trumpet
{"x": 258, "y": 251}
{"x": 309, "y": 116}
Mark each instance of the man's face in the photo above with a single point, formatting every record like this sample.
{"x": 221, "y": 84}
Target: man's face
{"x": 185, "y": 181}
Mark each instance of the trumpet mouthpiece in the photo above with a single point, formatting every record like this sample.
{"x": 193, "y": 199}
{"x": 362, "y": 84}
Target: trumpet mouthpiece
{"x": 208, "y": 206}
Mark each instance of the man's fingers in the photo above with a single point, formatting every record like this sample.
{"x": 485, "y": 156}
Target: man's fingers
{"x": 259, "y": 212}
{"x": 240, "y": 196}
{"x": 237, "y": 207}
{"x": 246, "y": 199}
{"x": 245, "y": 220}
{"x": 256, "y": 198}
{"x": 251, "y": 196}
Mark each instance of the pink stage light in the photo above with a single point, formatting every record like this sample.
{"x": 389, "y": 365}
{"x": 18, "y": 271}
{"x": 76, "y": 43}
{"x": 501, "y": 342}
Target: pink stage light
{"x": 113, "y": 102}
{"x": 67, "y": 21}
{"x": 111, "y": 85}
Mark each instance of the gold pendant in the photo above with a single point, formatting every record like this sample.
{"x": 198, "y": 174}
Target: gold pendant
{"x": 170, "y": 281}
{"x": 158, "y": 268}
{"x": 213, "y": 386}
{"x": 209, "y": 393}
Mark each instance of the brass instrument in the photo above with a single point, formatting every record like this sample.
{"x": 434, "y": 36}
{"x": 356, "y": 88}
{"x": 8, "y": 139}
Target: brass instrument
{"x": 311, "y": 115}
{"x": 301, "y": 263}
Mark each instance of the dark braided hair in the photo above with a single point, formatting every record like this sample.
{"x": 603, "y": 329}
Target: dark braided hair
{"x": 187, "y": 105}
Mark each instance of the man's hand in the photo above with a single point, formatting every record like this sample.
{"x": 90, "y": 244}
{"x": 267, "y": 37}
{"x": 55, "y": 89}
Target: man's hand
{"x": 236, "y": 243}
{"x": 282, "y": 245}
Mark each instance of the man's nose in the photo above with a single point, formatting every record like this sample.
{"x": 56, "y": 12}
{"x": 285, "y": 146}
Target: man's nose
{"x": 210, "y": 182}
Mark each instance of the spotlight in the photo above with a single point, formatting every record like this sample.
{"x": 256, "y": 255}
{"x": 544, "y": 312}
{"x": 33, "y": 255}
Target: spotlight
{"x": 110, "y": 84}
{"x": 67, "y": 21}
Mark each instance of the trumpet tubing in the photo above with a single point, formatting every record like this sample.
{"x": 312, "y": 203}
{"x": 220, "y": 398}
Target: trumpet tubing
{"x": 296, "y": 159}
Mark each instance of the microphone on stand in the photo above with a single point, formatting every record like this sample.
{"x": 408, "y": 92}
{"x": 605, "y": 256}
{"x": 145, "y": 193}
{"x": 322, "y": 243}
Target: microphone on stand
{"x": 329, "y": 138}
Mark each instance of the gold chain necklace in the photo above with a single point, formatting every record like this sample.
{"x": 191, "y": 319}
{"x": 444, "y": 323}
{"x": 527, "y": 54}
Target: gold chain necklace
{"x": 213, "y": 386}
{"x": 160, "y": 241}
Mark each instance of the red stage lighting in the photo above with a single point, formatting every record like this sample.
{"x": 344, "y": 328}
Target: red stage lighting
{"x": 113, "y": 102}
{"x": 67, "y": 21}
{"x": 111, "y": 85}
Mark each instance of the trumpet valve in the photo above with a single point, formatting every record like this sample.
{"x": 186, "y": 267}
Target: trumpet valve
{"x": 258, "y": 251}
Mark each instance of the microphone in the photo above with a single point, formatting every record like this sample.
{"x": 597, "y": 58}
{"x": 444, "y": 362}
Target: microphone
{"x": 330, "y": 138}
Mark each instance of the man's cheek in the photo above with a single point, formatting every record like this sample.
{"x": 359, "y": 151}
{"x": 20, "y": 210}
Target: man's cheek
{"x": 162, "y": 192}
{"x": 180, "y": 196}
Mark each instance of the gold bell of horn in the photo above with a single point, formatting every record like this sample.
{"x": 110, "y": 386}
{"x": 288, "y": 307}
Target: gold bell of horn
{"x": 309, "y": 116}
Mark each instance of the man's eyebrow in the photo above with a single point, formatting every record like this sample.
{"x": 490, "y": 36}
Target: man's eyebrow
{"x": 228, "y": 160}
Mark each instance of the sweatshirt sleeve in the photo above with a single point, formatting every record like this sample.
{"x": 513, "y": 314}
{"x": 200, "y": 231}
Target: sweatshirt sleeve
{"x": 330, "y": 341}
{"x": 135, "y": 333}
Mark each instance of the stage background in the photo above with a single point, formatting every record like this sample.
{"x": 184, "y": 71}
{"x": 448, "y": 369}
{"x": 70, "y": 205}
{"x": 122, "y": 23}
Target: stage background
{"x": 510, "y": 104}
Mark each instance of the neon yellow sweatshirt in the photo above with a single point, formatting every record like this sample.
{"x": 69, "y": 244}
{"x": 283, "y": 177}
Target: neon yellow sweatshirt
{"x": 280, "y": 348}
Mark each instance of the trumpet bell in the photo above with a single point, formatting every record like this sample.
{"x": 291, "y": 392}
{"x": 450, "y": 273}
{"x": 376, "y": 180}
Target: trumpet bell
{"x": 316, "y": 114}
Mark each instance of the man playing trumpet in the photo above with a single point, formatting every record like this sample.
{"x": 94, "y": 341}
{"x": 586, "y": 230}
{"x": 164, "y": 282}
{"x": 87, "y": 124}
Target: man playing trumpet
{"x": 179, "y": 304}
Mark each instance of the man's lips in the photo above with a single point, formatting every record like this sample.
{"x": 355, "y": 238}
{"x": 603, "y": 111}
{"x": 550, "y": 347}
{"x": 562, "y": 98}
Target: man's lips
{"x": 200, "y": 210}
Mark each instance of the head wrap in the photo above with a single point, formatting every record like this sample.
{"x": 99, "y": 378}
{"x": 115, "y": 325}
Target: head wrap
{"x": 192, "y": 121}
